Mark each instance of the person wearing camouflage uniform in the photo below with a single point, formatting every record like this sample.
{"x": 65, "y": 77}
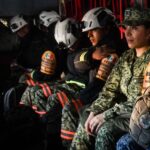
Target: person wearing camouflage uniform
{"x": 107, "y": 119}
{"x": 138, "y": 137}
{"x": 46, "y": 20}
{"x": 103, "y": 49}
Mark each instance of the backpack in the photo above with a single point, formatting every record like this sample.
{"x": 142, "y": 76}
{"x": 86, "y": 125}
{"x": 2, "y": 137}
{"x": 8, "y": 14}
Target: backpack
{"x": 140, "y": 120}
{"x": 12, "y": 96}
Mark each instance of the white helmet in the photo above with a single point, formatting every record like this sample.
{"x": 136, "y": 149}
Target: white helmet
{"x": 97, "y": 18}
{"x": 16, "y": 23}
{"x": 46, "y": 18}
{"x": 67, "y": 32}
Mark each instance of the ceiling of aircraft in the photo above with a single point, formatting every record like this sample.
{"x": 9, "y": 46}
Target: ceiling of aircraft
{"x": 27, "y": 7}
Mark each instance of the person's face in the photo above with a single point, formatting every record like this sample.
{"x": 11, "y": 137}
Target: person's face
{"x": 137, "y": 36}
{"x": 23, "y": 31}
{"x": 96, "y": 35}
{"x": 43, "y": 28}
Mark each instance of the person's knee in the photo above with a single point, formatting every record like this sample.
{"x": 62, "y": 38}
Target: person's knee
{"x": 106, "y": 136}
{"x": 124, "y": 142}
{"x": 104, "y": 131}
{"x": 119, "y": 144}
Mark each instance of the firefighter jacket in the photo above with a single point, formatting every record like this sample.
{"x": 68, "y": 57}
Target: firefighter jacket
{"x": 74, "y": 75}
{"x": 126, "y": 78}
{"x": 31, "y": 49}
{"x": 99, "y": 71}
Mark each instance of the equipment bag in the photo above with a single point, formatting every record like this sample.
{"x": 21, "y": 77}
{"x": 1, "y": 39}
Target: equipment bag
{"x": 140, "y": 120}
{"x": 13, "y": 96}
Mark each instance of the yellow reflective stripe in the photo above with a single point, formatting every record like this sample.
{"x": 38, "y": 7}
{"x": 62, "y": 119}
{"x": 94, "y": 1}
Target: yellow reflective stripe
{"x": 82, "y": 56}
{"x": 32, "y": 73}
{"x": 77, "y": 83}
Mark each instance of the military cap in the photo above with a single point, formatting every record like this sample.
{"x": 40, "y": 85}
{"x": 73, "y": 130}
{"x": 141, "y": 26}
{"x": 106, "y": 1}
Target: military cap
{"x": 134, "y": 16}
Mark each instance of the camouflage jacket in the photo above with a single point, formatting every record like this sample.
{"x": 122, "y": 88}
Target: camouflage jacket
{"x": 126, "y": 78}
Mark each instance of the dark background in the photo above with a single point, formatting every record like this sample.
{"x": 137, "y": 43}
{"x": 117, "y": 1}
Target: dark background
{"x": 26, "y": 7}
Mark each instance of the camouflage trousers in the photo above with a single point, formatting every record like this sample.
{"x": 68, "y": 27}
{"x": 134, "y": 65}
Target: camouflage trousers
{"x": 50, "y": 107}
{"x": 69, "y": 123}
{"x": 105, "y": 139}
{"x": 126, "y": 142}
{"x": 39, "y": 93}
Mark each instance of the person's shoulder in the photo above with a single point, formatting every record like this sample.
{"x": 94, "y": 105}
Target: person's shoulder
{"x": 128, "y": 53}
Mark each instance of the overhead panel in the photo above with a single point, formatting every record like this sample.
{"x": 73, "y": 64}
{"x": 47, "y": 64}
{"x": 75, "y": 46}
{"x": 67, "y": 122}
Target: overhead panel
{"x": 27, "y": 7}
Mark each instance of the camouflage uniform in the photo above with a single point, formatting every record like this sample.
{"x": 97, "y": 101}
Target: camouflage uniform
{"x": 126, "y": 78}
{"x": 43, "y": 97}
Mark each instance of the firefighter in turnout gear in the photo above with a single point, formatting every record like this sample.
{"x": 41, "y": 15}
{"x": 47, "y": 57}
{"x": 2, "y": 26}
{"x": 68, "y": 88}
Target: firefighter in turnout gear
{"x": 108, "y": 117}
{"x": 46, "y": 23}
{"x": 71, "y": 73}
{"x": 104, "y": 53}
{"x": 32, "y": 45}
{"x": 47, "y": 73}
{"x": 51, "y": 97}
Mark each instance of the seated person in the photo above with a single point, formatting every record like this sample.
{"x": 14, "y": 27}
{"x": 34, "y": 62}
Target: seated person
{"x": 107, "y": 119}
{"x": 104, "y": 52}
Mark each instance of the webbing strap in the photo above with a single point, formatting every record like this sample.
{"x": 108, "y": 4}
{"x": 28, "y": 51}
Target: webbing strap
{"x": 77, "y": 104}
{"x": 37, "y": 111}
{"x": 44, "y": 90}
{"x": 28, "y": 82}
{"x": 48, "y": 89}
{"x": 62, "y": 98}
{"x": 32, "y": 82}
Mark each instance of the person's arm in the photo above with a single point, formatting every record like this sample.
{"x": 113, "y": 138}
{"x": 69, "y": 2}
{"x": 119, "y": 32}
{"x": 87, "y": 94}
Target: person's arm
{"x": 98, "y": 79}
{"x": 104, "y": 101}
{"x": 124, "y": 109}
{"x": 90, "y": 93}
{"x": 106, "y": 98}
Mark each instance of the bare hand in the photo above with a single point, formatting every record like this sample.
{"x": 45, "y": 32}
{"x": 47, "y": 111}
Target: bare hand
{"x": 94, "y": 123}
{"x": 87, "y": 123}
